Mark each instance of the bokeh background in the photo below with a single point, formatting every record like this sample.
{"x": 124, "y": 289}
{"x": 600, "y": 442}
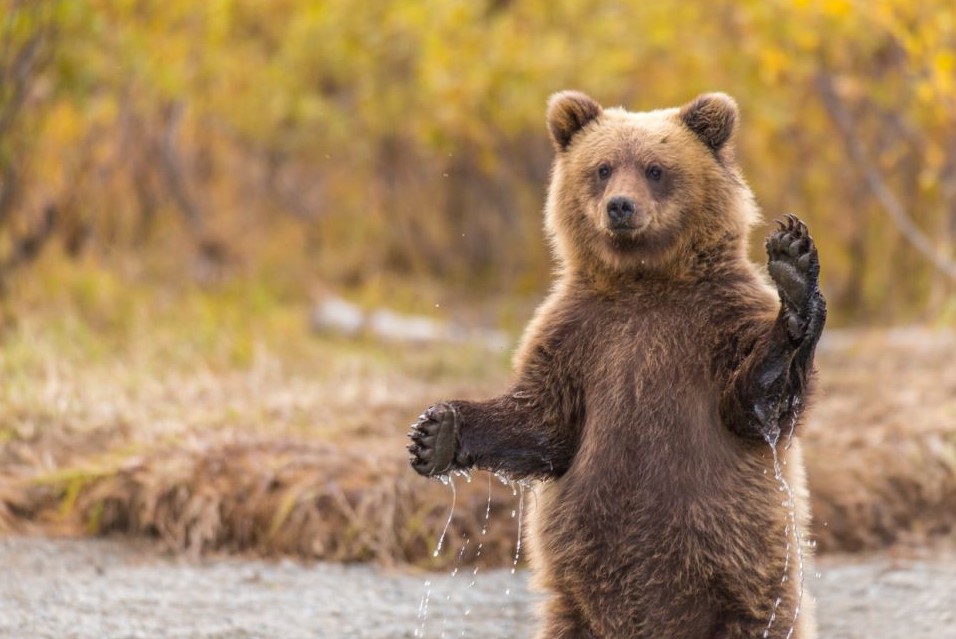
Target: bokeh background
{"x": 209, "y": 210}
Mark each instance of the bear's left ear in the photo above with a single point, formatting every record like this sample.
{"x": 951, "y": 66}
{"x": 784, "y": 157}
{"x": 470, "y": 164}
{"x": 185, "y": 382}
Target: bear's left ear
{"x": 713, "y": 117}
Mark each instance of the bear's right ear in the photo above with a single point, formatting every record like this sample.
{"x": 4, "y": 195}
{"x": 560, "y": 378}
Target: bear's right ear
{"x": 568, "y": 113}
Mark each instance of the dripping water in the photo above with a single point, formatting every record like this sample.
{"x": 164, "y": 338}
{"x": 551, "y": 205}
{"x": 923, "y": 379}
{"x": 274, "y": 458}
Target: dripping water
{"x": 794, "y": 414}
{"x": 520, "y": 486}
{"x": 448, "y": 481}
{"x": 514, "y": 564}
{"x": 791, "y": 530}
{"x": 518, "y": 489}
{"x": 423, "y": 606}
{"x": 461, "y": 552}
{"x": 481, "y": 539}
{"x": 481, "y": 543}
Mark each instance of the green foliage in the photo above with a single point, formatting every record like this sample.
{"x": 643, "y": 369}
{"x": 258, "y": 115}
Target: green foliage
{"x": 408, "y": 137}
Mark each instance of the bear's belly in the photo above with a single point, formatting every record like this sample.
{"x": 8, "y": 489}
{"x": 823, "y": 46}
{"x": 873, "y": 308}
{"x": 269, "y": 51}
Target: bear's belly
{"x": 659, "y": 532}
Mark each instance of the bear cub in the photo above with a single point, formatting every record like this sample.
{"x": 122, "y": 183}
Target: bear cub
{"x": 655, "y": 388}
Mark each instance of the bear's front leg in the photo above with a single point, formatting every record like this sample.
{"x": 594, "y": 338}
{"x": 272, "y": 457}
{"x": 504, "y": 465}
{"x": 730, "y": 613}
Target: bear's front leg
{"x": 529, "y": 432}
{"x": 523, "y": 434}
{"x": 794, "y": 266}
{"x": 772, "y": 381}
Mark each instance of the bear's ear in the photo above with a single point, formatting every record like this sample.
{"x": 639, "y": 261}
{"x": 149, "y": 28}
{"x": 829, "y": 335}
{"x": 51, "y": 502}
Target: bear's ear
{"x": 713, "y": 117}
{"x": 568, "y": 113}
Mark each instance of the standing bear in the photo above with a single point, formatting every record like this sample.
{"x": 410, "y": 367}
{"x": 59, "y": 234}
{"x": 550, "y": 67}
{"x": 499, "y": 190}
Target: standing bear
{"x": 658, "y": 389}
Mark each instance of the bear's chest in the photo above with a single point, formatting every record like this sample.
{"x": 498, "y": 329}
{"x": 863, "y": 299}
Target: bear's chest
{"x": 652, "y": 419}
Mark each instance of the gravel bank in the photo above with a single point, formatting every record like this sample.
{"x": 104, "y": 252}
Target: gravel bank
{"x": 102, "y": 589}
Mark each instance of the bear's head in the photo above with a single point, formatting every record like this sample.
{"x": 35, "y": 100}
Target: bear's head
{"x": 636, "y": 192}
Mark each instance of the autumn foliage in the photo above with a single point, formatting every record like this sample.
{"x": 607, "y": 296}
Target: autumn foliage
{"x": 339, "y": 140}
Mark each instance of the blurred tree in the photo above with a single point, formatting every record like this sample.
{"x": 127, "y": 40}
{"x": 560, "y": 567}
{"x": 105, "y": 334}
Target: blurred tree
{"x": 408, "y": 137}
{"x": 26, "y": 45}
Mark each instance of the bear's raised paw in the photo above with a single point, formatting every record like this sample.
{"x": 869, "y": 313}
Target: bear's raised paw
{"x": 795, "y": 268}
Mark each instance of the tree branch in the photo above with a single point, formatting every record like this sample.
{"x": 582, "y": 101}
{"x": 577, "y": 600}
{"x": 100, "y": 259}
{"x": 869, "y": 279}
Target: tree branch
{"x": 172, "y": 166}
{"x": 874, "y": 179}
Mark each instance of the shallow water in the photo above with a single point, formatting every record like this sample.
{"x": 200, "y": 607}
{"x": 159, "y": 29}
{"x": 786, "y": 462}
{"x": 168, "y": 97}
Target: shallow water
{"x": 96, "y": 589}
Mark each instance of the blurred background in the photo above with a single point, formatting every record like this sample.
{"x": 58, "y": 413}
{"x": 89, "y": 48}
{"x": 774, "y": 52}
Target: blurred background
{"x": 209, "y": 210}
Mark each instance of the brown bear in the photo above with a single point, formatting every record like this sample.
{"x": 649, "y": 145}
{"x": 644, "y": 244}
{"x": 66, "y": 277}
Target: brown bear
{"x": 657, "y": 389}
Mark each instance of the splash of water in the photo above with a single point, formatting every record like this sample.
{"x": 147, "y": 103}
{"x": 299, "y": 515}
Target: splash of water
{"x": 423, "y": 610}
{"x": 454, "y": 573}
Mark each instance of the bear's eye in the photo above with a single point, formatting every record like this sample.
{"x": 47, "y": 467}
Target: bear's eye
{"x": 654, "y": 172}
{"x": 604, "y": 171}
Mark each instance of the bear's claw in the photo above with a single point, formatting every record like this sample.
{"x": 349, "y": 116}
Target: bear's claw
{"x": 434, "y": 440}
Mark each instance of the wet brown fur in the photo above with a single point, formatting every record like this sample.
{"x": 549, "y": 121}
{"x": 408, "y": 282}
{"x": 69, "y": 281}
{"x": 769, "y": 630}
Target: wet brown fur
{"x": 662, "y": 516}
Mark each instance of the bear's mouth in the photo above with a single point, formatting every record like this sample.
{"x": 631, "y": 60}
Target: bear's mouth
{"x": 626, "y": 232}
{"x": 624, "y": 239}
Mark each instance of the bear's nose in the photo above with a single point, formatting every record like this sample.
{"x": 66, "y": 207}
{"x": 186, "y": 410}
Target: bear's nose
{"x": 620, "y": 210}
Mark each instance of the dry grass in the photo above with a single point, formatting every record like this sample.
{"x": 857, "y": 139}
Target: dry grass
{"x": 256, "y": 436}
{"x": 881, "y": 445}
{"x": 314, "y": 500}
{"x": 279, "y": 441}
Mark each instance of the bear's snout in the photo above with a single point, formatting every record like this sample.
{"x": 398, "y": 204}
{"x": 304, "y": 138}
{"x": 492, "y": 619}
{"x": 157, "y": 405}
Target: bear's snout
{"x": 620, "y": 213}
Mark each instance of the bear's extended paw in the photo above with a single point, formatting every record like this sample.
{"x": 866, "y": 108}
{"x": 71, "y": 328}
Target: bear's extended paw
{"x": 434, "y": 447}
{"x": 795, "y": 269}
